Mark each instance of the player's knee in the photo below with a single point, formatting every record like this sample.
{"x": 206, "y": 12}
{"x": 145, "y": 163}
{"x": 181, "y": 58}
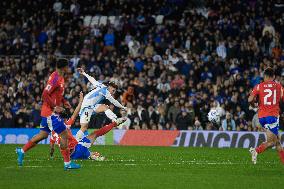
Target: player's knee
{"x": 279, "y": 148}
{"x": 45, "y": 137}
{"x": 63, "y": 143}
{"x": 270, "y": 143}
{"x": 63, "y": 146}
{"x": 84, "y": 127}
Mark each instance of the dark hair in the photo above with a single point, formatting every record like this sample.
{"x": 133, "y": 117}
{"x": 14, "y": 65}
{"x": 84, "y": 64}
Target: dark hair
{"x": 112, "y": 84}
{"x": 61, "y": 63}
{"x": 65, "y": 114}
{"x": 269, "y": 72}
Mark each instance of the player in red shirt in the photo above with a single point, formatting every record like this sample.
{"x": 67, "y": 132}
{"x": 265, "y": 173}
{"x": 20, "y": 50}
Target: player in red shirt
{"x": 80, "y": 149}
{"x": 269, "y": 94}
{"x": 53, "y": 101}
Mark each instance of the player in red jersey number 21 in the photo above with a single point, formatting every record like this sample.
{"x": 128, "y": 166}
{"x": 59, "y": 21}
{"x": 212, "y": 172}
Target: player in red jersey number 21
{"x": 269, "y": 94}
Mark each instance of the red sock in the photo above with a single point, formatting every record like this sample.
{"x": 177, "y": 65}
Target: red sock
{"x": 281, "y": 155}
{"x": 28, "y": 146}
{"x": 261, "y": 148}
{"x": 105, "y": 129}
{"x": 66, "y": 155}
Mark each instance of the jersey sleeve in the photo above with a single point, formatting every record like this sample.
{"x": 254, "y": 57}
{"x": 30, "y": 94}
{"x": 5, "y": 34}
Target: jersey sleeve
{"x": 52, "y": 84}
{"x": 70, "y": 121}
{"x": 255, "y": 91}
{"x": 92, "y": 80}
{"x": 112, "y": 100}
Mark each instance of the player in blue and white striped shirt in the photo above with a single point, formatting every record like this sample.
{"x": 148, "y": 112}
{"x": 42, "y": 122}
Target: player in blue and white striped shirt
{"x": 91, "y": 103}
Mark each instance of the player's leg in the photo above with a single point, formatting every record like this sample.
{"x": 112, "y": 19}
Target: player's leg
{"x": 60, "y": 128}
{"x": 102, "y": 131}
{"x": 36, "y": 139}
{"x": 85, "y": 117}
{"x": 279, "y": 149}
{"x": 104, "y": 108}
{"x": 82, "y": 151}
{"x": 261, "y": 148}
{"x": 64, "y": 147}
{"x": 43, "y": 134}
{"x": 277, "y": 142}
{"x": 270, "y": 124}
{"x": 105, "y": 129}
{"x": 269, "y": 142}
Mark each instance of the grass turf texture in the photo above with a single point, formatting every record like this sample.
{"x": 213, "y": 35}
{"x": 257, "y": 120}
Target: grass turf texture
{"x": 144, "y": 167}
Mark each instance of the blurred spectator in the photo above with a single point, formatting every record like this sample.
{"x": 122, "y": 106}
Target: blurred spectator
{"x": 7, "y": 120}
{"x": 183, "y": 120}
{"x": 228, "y": 124}
{"x": 128, "y": 96}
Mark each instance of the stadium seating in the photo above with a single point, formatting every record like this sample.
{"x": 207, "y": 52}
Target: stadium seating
{"x": 181, "y": 58}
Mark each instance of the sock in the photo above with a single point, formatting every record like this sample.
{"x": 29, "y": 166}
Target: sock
{"x": 66, "y": 156}
{"x": 28, "y": 146}
{"x": 105, "y": 129}
{"x": 79, "y": 135}
{"x": 281, "y": 155}
{"x": 261, "y": 148}
{"x": 110, "y": 115}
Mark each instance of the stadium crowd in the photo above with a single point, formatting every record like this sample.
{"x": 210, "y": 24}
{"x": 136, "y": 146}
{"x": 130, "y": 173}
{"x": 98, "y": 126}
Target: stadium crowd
{"x": 169, "y": 74}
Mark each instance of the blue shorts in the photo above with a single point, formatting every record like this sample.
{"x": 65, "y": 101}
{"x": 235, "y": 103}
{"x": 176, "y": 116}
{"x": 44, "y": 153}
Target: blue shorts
{"x": 82, "y": 149}
{"x": 271, "y": 123}
{"x": 52, "y": 123}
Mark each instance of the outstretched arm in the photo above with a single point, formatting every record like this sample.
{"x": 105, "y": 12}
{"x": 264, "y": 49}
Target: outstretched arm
{"x": 77, "y": 110}
{"x": 113, "y": 101}
{"x": 90, "y": 78}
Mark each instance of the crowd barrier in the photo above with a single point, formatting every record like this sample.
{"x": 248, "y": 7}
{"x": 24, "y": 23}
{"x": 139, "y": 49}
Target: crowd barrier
{"x": 218, "y": 139}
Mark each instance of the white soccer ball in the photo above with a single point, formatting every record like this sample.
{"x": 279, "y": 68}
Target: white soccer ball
{"x": 97, "y": 156}
{"x": 213, "y": 116}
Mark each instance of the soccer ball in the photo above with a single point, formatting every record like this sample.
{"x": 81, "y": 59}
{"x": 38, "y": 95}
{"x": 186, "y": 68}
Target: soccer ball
{"x": 97, "y": 156}
{"x": 213, "y": 116}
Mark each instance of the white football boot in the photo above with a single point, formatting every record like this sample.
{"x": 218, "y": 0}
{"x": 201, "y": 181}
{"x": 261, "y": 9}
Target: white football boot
{"x": 119, "y": 122}
{"x": 253, "y": 155}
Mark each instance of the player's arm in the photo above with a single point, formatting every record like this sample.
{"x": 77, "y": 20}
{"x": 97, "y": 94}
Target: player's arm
{"x": 251, "y": 99}
{"x": 46, "y": 95}
{"x": 253, "y": 95}
{"x": 52, "y": 85}
{"x": 113, "y": 101}
{"x": 66, "y": 103}
{"x": 282, "y": 93}
{"x": 77, "y": 110}
{"x": 90, "y": 78}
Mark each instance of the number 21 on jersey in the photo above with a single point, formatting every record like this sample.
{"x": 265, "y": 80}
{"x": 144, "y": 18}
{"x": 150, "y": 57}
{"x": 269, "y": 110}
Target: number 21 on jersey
{"x": 267, "y": 98}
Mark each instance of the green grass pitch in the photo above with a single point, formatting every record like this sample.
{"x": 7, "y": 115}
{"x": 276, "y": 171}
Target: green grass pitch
{"x": 144, "y": 167}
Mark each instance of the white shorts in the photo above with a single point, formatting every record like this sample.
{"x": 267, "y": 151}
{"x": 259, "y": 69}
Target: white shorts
{"x": 87, "y": 112}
